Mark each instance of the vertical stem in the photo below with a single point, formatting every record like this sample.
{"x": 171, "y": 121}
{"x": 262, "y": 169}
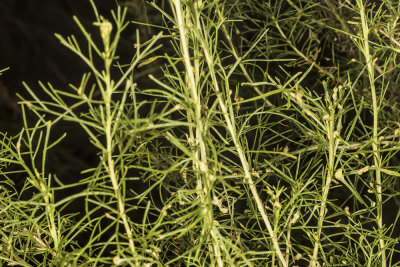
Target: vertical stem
{"x": 48, "y": 197}
{"x": 109, "y": 150}
{"x": 325, "y": 187}
{"x": 200, "y": 145}
{"x": 114, "y": 181}
{"x": 50, "y": 212}
{"x": 230, "y": 124}
{"x": 375, "y": 142}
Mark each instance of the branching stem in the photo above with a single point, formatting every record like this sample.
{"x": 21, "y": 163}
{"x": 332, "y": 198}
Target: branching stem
{"x": 375, "y": 142}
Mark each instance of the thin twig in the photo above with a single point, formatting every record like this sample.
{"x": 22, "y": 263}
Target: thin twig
{"x": 348, "y": 147}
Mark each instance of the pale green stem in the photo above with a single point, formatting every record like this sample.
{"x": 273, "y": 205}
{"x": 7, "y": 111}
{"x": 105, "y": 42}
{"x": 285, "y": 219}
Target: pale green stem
{"x": 375, "y": 142}
{"x": 201, "y": 153}
{"x": 240, "y": 151}
{"x": 325, "y": 188}
{"x": 110, "y": 161}
{"x": 50, "y": 212}
{"x": 48, "y": 197}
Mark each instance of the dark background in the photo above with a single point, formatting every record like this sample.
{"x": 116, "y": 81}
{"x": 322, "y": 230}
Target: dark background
{"x": 32, "y": 52}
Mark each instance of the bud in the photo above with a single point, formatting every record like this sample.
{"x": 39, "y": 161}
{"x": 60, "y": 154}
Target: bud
{"x": 339, "y": 174}
{"x": 296, "y": 216}
{"x": 117, "y": 260}
{"x": 105, "y": 30}
{"x": 363, "y": 170}
{"x": 327, "y": 118}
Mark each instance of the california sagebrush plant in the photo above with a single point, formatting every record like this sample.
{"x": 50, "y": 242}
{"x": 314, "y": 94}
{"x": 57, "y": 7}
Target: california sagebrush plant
{"x": 266, "y": 135}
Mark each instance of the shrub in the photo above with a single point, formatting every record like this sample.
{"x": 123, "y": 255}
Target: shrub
{"x": 265, "y": 134}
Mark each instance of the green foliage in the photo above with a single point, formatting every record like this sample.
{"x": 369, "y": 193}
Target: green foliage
{"x": 265, "y": 135}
